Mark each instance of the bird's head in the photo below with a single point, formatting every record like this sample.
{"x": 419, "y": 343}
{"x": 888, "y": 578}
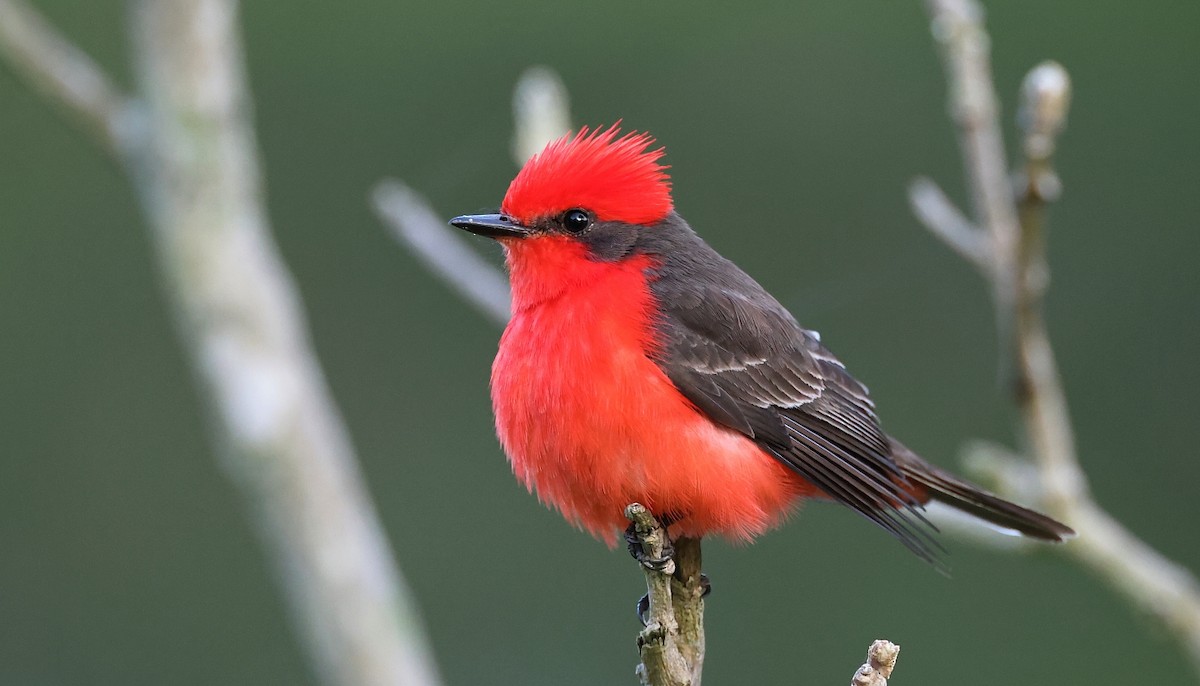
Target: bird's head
{"x": 581, "y": 203}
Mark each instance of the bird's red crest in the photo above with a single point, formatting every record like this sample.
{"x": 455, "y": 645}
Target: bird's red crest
{"x": 617, "y": 179}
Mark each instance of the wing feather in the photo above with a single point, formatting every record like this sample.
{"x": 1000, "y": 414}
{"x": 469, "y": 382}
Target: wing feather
{"x": 748, "y": 365}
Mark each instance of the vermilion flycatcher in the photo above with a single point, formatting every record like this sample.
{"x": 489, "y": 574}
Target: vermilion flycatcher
{"x": 641, "y": 366}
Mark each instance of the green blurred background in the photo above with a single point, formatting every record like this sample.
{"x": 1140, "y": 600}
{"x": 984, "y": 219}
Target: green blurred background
{"x": 793, "y": 129}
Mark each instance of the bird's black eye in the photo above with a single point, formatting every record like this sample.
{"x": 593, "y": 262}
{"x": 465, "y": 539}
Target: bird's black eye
{"x": 576, "y": 221}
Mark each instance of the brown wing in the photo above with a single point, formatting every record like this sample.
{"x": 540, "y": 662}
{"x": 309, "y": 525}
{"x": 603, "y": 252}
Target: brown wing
{"x": 744, "y": 361}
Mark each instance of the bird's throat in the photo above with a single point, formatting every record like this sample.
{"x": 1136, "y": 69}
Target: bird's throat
{"x": 547, "y": 267}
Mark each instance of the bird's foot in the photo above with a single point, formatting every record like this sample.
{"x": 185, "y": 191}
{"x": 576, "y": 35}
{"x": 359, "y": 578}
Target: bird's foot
{"x": 705, "y": 585}
{"x": 662, "y": 563}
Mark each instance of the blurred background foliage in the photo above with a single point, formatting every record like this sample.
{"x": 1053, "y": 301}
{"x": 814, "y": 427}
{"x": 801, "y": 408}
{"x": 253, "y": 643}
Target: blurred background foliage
{"x": 792, "y": 129}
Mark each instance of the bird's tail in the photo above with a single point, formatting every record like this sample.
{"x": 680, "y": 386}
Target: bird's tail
{"x": 933, "y": 483}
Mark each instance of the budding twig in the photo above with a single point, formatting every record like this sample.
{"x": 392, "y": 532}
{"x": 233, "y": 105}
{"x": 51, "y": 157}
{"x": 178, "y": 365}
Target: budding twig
{"x": 1014, "y": 222}
{"x": 1166, "y": 590}
{"x": 881, "y": 660}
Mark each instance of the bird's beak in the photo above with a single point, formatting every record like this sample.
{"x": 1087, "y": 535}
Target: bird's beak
{"x": 490, "y": 225}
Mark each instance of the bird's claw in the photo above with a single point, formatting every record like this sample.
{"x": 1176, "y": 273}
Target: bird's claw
{"x": 661, "y": 564}
{"x": 643, "y": 609}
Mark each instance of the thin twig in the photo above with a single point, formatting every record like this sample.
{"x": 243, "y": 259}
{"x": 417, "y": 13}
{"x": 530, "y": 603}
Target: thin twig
{"x": 443, "y": 249}
{"x": 541, "y": 112}
{"x": 1157, "y": 585}
{"x": 958, "y": 29}
{"x": 65, "y": 75}
{"x": 881, "y": 660}
{"x": 195, "y": 168}
{"x": 947, "y": 222}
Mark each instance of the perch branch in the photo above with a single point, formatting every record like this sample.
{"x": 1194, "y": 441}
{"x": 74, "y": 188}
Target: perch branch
{"x": 662, "y": 661}
{"x": 687, "y": 601}
{"x": 195, "y": 168}
{"x": 1016, "y": 227}
{"x": 881, "y": 660}
{"x": 65, "y": 75}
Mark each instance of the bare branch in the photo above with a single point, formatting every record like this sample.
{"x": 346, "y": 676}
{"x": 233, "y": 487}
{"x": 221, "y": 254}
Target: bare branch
{"x": 1019, "y": 277}
{"x": 65, "y": 74}
{"x": 443, "y": 249}
{"x": 192, "y": 160}
{"x": 541, "y": 112}
{"x": 938, "y": 213}
{"x": 1155, "y": 584}
{"x": 881, "y": 660}
{"x": 239, "y": 314}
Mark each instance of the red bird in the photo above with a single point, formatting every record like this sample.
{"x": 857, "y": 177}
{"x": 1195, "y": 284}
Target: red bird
{"x": 641, "y": 366}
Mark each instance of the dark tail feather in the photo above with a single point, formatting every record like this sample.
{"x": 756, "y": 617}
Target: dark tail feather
{"x": 944, "y": 487}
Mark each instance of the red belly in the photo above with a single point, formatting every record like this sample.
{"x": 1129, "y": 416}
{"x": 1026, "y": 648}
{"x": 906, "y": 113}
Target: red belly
{"x": 591, "y": 424}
